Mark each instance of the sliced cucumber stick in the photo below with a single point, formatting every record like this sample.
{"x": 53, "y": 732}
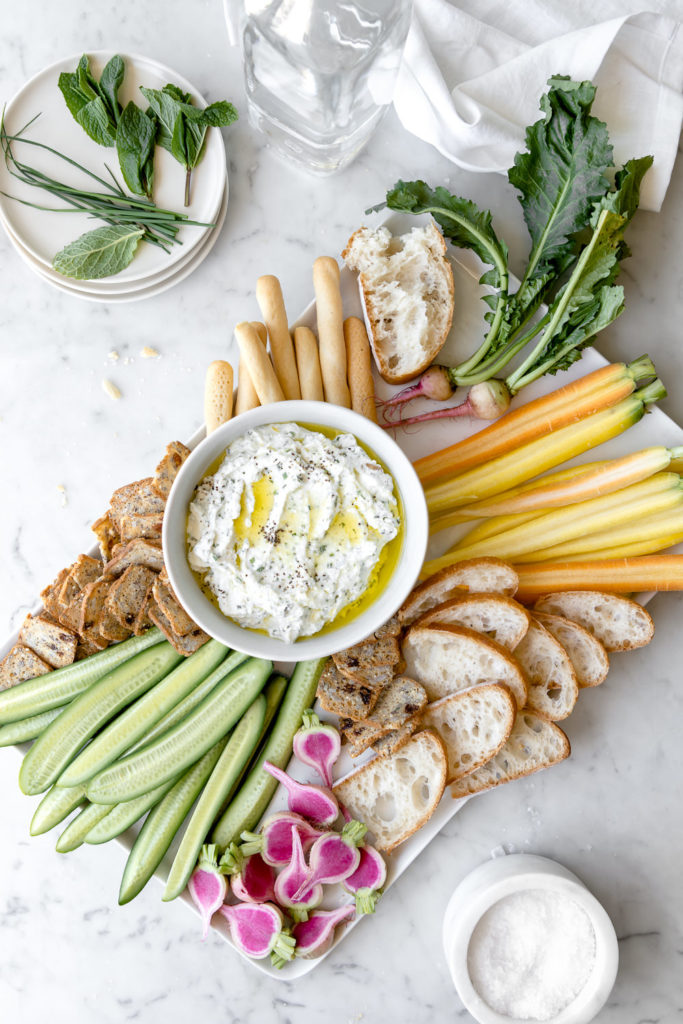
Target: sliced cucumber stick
{"x": 27, "y": 728}
{"x": 239, "y": 748}
{"x": 163, "y": 822}
{"x": 58, "y": 802}
{"x": 61, "y": 741}
{"x": 122, "y": 816}
{"x": 186, "y": 742}
{"x": 254, "y": 795}
{"x": 57, "y": 688}
{"x": 189, "y": 703}
{"x": 75, "y": 832}
{"x": 135, "y": 722}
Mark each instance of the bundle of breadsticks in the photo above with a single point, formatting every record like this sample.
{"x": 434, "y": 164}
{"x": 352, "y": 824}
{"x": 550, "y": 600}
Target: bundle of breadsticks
{"x": 277, "y": 365}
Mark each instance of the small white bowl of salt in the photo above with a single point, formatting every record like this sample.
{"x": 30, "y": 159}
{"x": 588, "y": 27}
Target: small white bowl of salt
{"x": 526, "y": 941}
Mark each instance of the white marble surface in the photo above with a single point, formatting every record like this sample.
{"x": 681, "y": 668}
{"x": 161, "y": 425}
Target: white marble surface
{"x": 611, "y": 813}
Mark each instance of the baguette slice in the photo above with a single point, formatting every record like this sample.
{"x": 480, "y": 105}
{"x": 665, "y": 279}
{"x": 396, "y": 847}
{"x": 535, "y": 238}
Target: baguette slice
{"x": 473, "y": 725}
{"x": 494, "y": 615}
{"x": 619, "y": 623}
{"x": 533, "y": 744}
{"x": 447, "y": 659}
{"x": 553, "y": 686}
{"x": 395, "y": 795}
{"x": 406, "y": 285}
{"x": 474, "y": 576}
{"x": 585, "y": 651}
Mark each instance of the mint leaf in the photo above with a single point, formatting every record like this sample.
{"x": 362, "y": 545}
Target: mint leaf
{"x": 88, "y": 102}
{"x": 96, "y": 122}
{"x": 135, "y": 136}
{"x": 110, "y": 83}
{"x": 99, "y": 253}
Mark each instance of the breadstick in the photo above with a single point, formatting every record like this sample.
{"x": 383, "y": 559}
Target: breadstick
{"x": 272, "y": 306}
{"x": 330, "y": 331}
{"x": 259, "y": 366}
{"x": 217, "y": 394}
{"x": 246, "y": 392}
{"x": 308, "y": 364}
{"x": 361, "y": 384}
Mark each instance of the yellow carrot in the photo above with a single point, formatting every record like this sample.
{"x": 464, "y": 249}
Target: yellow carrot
{"x": 584, "y": 483}
{"x": 492, "y": 527}
{"x": 469, "y": 512}
{"x": 654, "y": 529}
{"x": 665, "y": 490}
{"x": 569, "y": 404}
{"x": 534, "y": 458}
{"x": 646, "y": 547}
{"x": 615, "y": 575}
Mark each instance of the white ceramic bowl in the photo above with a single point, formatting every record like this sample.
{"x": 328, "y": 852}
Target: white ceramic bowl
{"x": 501, "y": 877}
{"x": 408, "y": 566}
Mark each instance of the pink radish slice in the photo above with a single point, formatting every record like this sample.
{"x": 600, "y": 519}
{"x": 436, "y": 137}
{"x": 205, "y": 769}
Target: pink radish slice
{"x": 257, "y": 929}
{"x": 367, "y": 880}
{"x": 254, "y": 882}
{"x": 334, "y": 856}
{"x": 291, "y": 888}
{"x": 315, "y": 802}
{"x": 207, "y": 886}
{"x": 315, "y": 936}
{"x": 317, "y": 745}
{"x": 274, "y": 841}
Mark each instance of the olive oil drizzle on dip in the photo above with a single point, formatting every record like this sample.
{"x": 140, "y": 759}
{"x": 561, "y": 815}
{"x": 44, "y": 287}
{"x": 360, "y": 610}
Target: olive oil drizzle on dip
{"x": 294, "y": 528}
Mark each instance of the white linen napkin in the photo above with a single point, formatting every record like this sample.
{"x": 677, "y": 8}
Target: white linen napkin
{"x": 472, "y": 76}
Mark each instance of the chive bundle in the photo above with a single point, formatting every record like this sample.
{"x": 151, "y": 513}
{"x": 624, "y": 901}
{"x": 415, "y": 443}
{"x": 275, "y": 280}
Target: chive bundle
{"x": 113, "y": 206}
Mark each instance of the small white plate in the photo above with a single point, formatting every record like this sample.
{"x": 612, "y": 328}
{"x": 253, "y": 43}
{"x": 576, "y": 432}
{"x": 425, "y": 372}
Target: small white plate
{"x": 145, "y": 290}
{"x": 44, "y": 234}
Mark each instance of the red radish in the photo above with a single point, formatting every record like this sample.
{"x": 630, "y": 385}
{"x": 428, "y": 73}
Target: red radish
{"x": 207, "y": 886}
{"x": 258, "y": 929}
{"x": 317, "y": 745}
{"x": 367, "y": 880}
{"x": 315, "y": 936}
{"x": 274, "y": 841}
{"x": 485, "y": 401}
{"x": 334, "y": 856}
{"x": 291, "y": 888}
{"x": 251, "y": 879}
{"x": 317, "y": 803}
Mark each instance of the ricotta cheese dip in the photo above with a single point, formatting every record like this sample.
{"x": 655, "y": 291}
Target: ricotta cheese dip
{"x": 290, "y": 528}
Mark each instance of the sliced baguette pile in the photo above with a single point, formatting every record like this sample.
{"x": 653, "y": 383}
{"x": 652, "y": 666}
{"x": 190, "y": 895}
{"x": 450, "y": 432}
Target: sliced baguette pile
{"x": 99, "y": 601}
{"x": 482, "y": 673}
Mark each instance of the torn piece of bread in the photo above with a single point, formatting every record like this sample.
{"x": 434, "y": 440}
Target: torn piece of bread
{"x": 406, "y": 285}
{"x": 395, "y": 795}
{"x": 619, "y": 623}
{"x": 473, "y": 725}
{"x": 447, "y": 659}
{"x": 494, "y": 615}
{"x": 532, "y": 745}
{"x": 585, "y": 651}
{"x": 553, "y": 686}
{"x": 475, "y": 575}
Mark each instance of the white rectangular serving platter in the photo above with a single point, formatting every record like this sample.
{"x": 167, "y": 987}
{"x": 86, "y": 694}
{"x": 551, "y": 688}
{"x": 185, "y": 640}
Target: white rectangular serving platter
{"x": 416, "y": 441}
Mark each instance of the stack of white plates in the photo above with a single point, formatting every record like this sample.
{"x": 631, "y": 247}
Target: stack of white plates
{"x": 38, "y": 235}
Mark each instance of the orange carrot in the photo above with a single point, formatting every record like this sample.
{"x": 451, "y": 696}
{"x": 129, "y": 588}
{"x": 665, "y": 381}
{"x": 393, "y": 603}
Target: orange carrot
{"x": 615, "y": 575}
{"x": 568, "y": 404}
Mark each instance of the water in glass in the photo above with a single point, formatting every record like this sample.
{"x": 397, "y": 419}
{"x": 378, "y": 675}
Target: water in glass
{"x": 320, "y": 73}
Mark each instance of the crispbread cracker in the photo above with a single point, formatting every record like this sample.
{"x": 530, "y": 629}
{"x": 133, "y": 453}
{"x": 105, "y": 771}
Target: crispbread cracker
{"x": 167, "y": 470}
{"x": 20, "y": 664}
{"x": 347, "y": 697}
{"x": 138, "y": 498}
{"x": 179, "y": 620}
{"x": 148, "y": 526}
{"x": 184, "y": 645}
{"x": 127, "y": 594}
{"x": 51, "y": 641}
{"x": 136, "y": 552}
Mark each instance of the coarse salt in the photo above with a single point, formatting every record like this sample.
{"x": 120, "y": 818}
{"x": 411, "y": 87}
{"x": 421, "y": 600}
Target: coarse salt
{"x": 531, "y": 954}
